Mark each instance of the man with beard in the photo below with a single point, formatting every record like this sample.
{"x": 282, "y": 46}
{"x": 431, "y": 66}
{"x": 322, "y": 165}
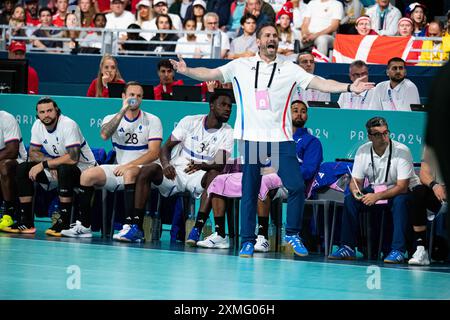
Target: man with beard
{"x": 397, "y": 93}
{"x": 68, "y": 154}
{"x": 203, "y": 145}
{"x": 136, "y": 137}
{"x": 263, "y": 87}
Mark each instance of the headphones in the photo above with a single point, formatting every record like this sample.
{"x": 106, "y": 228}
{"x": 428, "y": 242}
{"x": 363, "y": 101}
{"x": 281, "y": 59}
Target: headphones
{"x": 48, "y": 100}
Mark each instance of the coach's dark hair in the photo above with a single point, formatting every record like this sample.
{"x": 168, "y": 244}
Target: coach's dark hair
{"x": 265, "y": 25}
{"x": 395, "y": 59}
{"x": 132, "y": 83}
{"x": 375, "y": 122}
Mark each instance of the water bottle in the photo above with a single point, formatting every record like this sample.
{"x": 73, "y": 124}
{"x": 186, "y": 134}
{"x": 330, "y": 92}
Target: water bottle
{"x": 156, "y": 227}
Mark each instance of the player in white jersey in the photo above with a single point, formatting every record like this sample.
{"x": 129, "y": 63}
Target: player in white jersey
{"x": 191, "y": 158}
{"x": 12, "y": 152}
{"x": 263, "y": 121}
{"x": 67, "y": 155}
{"x": 136, "y": 137}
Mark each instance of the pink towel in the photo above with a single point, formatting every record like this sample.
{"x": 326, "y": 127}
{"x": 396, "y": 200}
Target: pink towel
{"x": 230, "y": 185}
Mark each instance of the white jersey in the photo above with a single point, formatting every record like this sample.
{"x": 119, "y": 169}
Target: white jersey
{"x": 10, "y": 131}
{"x": 310, "y": 94}
{"x": 65, "y": 135}
{"x": 273, "y": 124}
{"x": 130, "y": 141}
{"x": 398, "y": 99}
{"x": 351, "y": 100}
{"x": 198, "y": 143}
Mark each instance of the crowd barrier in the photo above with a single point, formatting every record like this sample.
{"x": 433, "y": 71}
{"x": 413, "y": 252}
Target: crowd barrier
{"x": 341, "y": 131}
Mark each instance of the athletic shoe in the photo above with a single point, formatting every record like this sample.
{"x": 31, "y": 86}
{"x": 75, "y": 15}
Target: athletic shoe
{"x": 6, "y": 221}
{"x": 420, "y": 257}
{"x": 133, "y": 235}
{"x": 121, "y": 233}
{"x": 194, "y": 237}
{"x": 262, "y": 245}
{"x": 343, "y": 253}
{"x": 20, "y": 227}
{"x": 214, "y": 241}
{"x": 56, "y": 228}
{"x": 77, "y": 230}
{"x": 296, "y": 243}
{"x": 395, "y": 256}
{"x": 247, "y": 250}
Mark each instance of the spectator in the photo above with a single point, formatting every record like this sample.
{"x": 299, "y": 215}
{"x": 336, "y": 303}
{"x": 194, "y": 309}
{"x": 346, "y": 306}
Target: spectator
{"x": 305, "y": 59}
{"x": 288, "y": 35}
{"x": 245, "y": 45}
{"x": 447, "y": 31}
{"x": 187, "y": 45}
{"x": 7, "y": 11}
{"x": 16, "y": 51}
{"x": 436, "y": 57}
{"x": 32, "y": 12}
{"x": 197, "y": 11}
{"x": 363, "y": 26}
{"x": 222, "y": 9}
{"x": 163, "y": 22}
{"x": 353, "y": 9}
{"x": 350, "y": 100}
{"x": 255, "y": 8}
{"x": 299, "y": 12}
{"x": 134, "y": 36}
{"x": 416, "y": 12}
{"x": 45, "y": 17}
{"x": 108, "y": 72}
{"x": 321, "y": 21}
{"x": 72, "y": 21}
{"x": 166, "y": 76}
{"x": 61, "y": 11}
{"x": 85, "y": 12}
{"x": 18, "y": 21}
{"x": 144, "y": 14}
{"x": 388, "y": 165}
{"x": 160, "y": 7}
{"x": 119, "y": 18}
{"x": 102, "y": 6}
{"x": 398, "y": 93}
{"x": 211, "y": 21}
{"x": 236, "y": 13}
{"x": 93, "y": 41}
{"x": 431, "y": 194}
{"x": 384, "y": 17}
{"x": 179, "y": 7}
{"x": 145, "y": 131}
{"x": 405, "y": 27}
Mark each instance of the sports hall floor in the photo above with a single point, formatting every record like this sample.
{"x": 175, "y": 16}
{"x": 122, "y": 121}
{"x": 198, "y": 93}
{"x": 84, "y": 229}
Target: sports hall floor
{"x": 40, "y": 267}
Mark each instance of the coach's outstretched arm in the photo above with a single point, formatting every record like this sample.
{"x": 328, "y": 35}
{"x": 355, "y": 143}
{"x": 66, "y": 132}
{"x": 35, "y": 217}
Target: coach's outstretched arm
{"x": 333, "y": 86}
{"x": 201, "y": 74}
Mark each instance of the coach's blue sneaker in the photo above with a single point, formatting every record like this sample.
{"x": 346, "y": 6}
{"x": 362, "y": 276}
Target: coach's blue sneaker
{"x": 194, "y": 237}
{"x": 133, "y": 235}
{"x": 296, "y": 243}
{"x": 247, "y": 250}
{"x": 343, "y": 253}
{"x": 395, "y": 256}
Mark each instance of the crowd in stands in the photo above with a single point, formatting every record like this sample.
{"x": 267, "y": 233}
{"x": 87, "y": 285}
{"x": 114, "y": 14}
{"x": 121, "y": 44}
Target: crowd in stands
{"x": 302, "y": 24}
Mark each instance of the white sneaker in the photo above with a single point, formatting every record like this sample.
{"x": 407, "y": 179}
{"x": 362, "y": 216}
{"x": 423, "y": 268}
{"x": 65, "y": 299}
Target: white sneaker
{"x": 420, "y": 257}
{"x": 214, "y": 241}
{"x": 124, "y": 231}
{"x": 77, "y": 230}
{"x": 262, "y": 245}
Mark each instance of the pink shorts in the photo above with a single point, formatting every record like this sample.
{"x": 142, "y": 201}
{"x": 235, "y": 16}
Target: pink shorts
{"x": 230, "y": 185}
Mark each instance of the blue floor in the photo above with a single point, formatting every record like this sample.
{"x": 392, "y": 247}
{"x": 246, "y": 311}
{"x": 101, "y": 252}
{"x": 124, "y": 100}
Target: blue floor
{"x": 39, "y": 267}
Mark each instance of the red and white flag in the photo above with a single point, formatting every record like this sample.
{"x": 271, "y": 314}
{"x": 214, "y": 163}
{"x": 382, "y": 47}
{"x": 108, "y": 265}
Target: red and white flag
{"x": 319, "y": 56}
{"x": 372, "y": 48}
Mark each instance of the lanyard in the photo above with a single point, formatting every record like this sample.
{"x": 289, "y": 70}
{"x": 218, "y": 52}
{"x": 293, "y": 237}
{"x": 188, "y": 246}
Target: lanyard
{"x": 388, "y": 164}
{"x": 390, "y": 99}
{"x": 271, "y": 76}
{"x": 362, "y": 101}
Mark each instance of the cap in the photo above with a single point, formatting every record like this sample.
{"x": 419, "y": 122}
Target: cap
{"x": 363, "y": 18}
{"x": 409, "y": 9}
{"x": 17, "y": 46}
{"x": 287, "y": 8}
{"x": 199, "y": 3}
{"x": 145, "y": 3}
{"x": 405, "y": 19}
{"x": 155, "y": 2}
